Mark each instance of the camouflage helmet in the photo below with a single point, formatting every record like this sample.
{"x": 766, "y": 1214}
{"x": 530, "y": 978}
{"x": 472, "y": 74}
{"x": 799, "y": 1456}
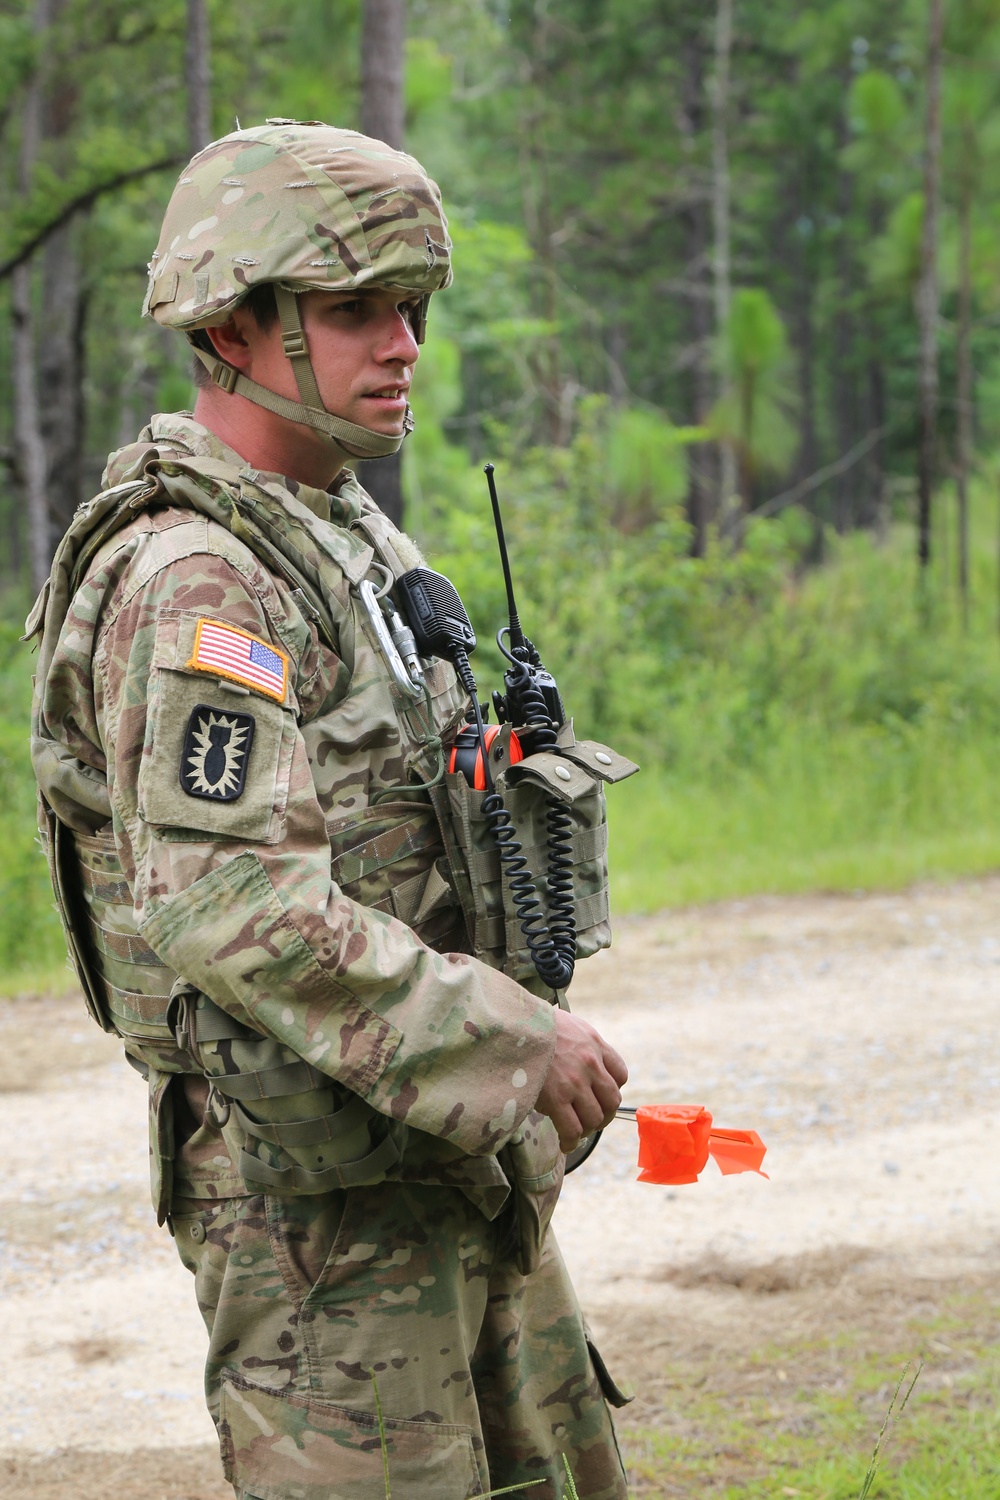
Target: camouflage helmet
{"x": 302, "y": 206}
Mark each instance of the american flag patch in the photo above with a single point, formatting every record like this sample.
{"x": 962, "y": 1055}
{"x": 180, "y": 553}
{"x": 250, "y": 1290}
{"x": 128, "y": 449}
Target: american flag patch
{"x": 228, "y": 652}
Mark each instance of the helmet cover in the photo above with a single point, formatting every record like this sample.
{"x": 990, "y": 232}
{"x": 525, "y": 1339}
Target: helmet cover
{"x": 303, "y": 204}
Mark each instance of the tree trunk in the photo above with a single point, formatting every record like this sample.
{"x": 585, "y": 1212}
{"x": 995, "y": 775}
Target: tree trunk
{"x": 927, "y": 291}
{"x": 27, "y": 428}
{"x": 59, "y": 318}
{"x": 876, "y": 459}
{"x": 198, "y": 75}
{"x": 807, "y": 461}
{"x": 544, "y": 360}
{"x": 697, "y": 237}
{"x": 748, "y": 396}
{"x": 28, "y": 441}
{"x": 720, "y": 220}
{"x": 965, "y": 408}
{"x": 845, "y": 375}
{"x": 876, "y": 516}
{"x": 383, "y": 479}
{"x": 383, "y": 29}
{"x": 60, "y": 328}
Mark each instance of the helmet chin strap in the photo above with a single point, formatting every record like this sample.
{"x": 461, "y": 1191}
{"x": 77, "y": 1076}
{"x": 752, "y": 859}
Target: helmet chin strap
{"x": 347, "y": 438}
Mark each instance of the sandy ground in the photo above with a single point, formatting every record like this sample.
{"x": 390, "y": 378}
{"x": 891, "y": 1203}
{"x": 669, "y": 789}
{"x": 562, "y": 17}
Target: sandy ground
{"x": 857, "y": 1034}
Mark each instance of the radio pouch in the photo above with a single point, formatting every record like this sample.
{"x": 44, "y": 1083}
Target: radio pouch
{"x": 569, "y": 776}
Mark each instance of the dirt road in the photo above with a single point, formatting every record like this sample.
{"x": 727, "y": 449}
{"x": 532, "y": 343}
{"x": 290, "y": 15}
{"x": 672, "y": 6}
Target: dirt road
{"x": 858, "y": 1035}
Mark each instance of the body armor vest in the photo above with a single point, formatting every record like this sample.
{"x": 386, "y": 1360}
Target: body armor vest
{"x": 421, "y": 851}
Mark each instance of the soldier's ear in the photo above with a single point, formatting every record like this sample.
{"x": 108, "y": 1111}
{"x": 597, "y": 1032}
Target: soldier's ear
{"x": 233, "y": 340}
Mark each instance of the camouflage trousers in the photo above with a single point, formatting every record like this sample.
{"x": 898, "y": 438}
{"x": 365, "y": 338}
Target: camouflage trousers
{"x": 322, "y": 1310}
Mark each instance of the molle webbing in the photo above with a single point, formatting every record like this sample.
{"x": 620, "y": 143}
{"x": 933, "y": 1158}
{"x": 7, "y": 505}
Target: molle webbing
{"x": 286, "y": 543}
{"x": 132, "y": 985}
{"x": 304, "y": 1133}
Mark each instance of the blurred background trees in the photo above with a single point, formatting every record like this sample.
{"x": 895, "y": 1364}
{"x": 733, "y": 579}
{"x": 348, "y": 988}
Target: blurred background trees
{"x": 643, "y": 194}
{"x": 710, "y": 259}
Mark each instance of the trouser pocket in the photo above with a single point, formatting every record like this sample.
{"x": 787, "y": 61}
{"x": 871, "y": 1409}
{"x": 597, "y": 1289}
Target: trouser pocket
{"x": 277, "y": 1446}
{"x": 204, "y": 1230}
{"x": 534, "y": 1164}
{"x": 616, "y": 1393}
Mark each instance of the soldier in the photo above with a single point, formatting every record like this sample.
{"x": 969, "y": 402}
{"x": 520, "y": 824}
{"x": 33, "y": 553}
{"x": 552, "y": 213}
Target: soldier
{"x": 357, "y": 1117}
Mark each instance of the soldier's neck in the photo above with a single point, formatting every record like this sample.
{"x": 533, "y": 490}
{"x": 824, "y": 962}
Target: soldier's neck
{"x": 267, "y": 441}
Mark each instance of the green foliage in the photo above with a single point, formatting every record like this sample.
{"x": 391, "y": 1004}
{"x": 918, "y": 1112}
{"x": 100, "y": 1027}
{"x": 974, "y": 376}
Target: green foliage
{"x": 895, "y": 256}
{"x": 488, "y": 314}
{"x": 643, "y": 462}
{"x": 753, "y": 413}
{"x": 17, "y": 53}
{"x": 573, "y": 143}
{"x": 798, "y": 727}
{"x": 30, "y": 935}
{"x": 428, "y": 77}
{"x": 876, "y": 106}
{"x": 755, "y": 337}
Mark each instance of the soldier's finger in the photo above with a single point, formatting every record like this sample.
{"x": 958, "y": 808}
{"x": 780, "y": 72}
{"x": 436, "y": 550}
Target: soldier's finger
{"x": 609, "y": 1097}
{"x": 591, "y": 1111}
{"x": 616, "y": 1066}
{"x": 568, "y": 1126}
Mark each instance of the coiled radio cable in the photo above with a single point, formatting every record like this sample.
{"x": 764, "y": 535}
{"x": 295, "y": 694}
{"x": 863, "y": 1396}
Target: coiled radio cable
{"x": 533, "y": 712}
{"x": 552, "y": 945}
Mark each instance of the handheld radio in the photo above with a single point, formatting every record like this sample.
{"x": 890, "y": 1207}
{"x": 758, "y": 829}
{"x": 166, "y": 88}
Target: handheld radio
{"x": 532, "y": 699}
{"x": 532, "y": 706}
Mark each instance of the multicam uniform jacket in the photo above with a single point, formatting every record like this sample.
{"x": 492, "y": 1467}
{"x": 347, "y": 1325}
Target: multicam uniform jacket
{"x": 227, "y": 776}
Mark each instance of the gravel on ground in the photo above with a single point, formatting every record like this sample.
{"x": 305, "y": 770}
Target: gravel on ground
{"x": 857, "y": 1034}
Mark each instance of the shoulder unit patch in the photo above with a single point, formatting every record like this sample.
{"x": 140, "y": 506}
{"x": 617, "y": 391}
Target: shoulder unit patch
{"x": 226, "y": 651}
{"x": 216, "y": 753}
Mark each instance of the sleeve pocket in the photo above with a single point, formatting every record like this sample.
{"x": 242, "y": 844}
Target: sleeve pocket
{"x": 215, "y": 759}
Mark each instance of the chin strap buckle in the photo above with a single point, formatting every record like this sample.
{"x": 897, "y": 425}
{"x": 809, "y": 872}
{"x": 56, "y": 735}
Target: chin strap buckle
{"x": 225, "y": 376}
{"x": 293, "y": 342}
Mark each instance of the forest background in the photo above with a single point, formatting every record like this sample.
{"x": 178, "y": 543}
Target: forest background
{"x": 727, "y": 319}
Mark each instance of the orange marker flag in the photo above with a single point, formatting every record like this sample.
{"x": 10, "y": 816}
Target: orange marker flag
{"x": 676, "y": 1140}
{"x": 737, "y": 1151}
{"x": 673, "y": 1142}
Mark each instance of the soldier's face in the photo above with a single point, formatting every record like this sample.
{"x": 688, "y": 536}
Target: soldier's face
{"x": 362, "y": 349}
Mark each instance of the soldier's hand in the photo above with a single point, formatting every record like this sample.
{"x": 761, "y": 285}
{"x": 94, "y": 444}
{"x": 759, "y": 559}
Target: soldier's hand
{"x": 582, "y": 1088}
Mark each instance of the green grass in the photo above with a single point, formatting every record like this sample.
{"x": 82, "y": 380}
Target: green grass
{"x": 868, "y": 810}
{"x": 813, "y": 1436}
{"x": 934, "y": 1456}
{"x": 941, "y": 1448}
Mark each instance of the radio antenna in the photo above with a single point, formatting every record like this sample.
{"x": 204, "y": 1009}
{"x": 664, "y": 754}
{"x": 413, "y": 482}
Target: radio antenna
{"x": 517, "y": 641}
